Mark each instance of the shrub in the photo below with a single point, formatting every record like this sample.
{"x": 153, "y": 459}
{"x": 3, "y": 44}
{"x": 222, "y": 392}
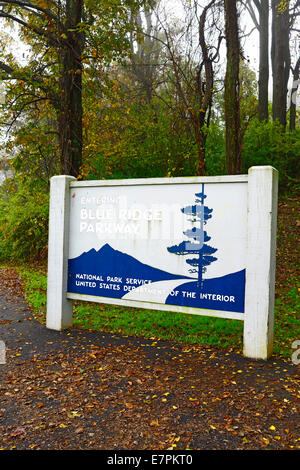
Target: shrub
{"x": 23, "y": 219}
{"x": 267, "y": 144}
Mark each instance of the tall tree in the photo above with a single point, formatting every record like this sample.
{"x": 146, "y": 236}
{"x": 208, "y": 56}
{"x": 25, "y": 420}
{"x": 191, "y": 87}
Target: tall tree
{"x": 232, "y": 90}
{"x": 192, "y": 72}
{"x": 263, "y": 80}
{"x": 281, "y": 61}
{"x": 295, "y": 69}
{"x": 296, "y": 79}
{"x": 65, "y": 35}
{"x": 145, "y": 53}
{"x": 204, "y": 85}
{"x": 70, "y": 110}
{"x": 262, "y": 24}
{"x": 56, "y": 25}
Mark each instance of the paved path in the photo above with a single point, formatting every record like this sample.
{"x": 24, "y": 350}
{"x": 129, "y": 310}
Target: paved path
{"x": 25, "y": 338}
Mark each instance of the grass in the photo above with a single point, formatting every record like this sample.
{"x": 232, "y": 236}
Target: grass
{"x": 188, "y": 329}
{"x": 184, "y": 328}
{"x": 287, "y": 324}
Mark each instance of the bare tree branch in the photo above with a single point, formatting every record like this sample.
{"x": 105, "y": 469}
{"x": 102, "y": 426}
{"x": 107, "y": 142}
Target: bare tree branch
{"x": 6, "y": 68}
{"x": 51, "y": 39}
{"x": 29, "y": 6}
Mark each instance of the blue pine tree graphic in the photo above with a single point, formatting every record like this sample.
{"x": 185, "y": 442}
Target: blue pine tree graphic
{"x": 199, "y": 214}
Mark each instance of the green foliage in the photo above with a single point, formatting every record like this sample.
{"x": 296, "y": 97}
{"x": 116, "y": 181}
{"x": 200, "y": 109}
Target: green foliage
{"x": 138, "y": 141}
{"x": 127, "y": 133}
{"x": 34, "y": 282}
{"x": 286, "y": 319}
{"x": 189, "y": 329}
{"x": 23, "y": 219}
{"x": 267, "y": 144}
{"x": 215, "y": 150}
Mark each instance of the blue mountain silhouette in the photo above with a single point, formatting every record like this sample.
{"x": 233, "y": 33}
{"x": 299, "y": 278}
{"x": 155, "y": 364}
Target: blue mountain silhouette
{"x": 110, "y": 262}
{"x": 216, "y": 294}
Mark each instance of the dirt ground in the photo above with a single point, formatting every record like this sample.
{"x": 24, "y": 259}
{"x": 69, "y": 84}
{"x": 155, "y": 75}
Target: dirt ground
{"x": 87, "y": 390}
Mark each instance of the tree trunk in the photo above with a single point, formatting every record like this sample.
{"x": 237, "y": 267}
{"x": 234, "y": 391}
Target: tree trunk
{"x": 263, "y": 80}
{"x": 200, "y": 136}
{"x": 232, "y": 90}
{"x": 70, "y": 114}
{"x": 280, "y": 54}
{"x": 204, "y": 90}
{"x": 296, "y": 76}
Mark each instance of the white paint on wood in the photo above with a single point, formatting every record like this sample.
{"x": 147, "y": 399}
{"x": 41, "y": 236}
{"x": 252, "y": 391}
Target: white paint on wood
{"x": 59, "y": 308}
{"x": 260, "y": 267}
{"x": 260, "y": 270}
{"x": 151, "y": 181}
{"x": 227, "y": 227}
{"x": 156, "y": 306}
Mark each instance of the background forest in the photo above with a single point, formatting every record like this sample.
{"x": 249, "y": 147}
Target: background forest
{"x": 131, "y": 89}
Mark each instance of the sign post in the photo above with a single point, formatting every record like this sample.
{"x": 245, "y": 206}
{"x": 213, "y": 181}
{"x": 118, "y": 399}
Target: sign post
{"x": 261, "y": 260}
{"x": 59, "y": 308}
{"x": 196, "y": 245}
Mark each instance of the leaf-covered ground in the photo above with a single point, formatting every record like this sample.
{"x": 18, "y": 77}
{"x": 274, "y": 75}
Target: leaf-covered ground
{"x": 83, "y": 389}
{"x": 86, "y": 390}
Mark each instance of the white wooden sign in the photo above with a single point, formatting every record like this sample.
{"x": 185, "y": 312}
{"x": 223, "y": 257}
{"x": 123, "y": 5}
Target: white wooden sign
{"x": 197, "y": 245}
